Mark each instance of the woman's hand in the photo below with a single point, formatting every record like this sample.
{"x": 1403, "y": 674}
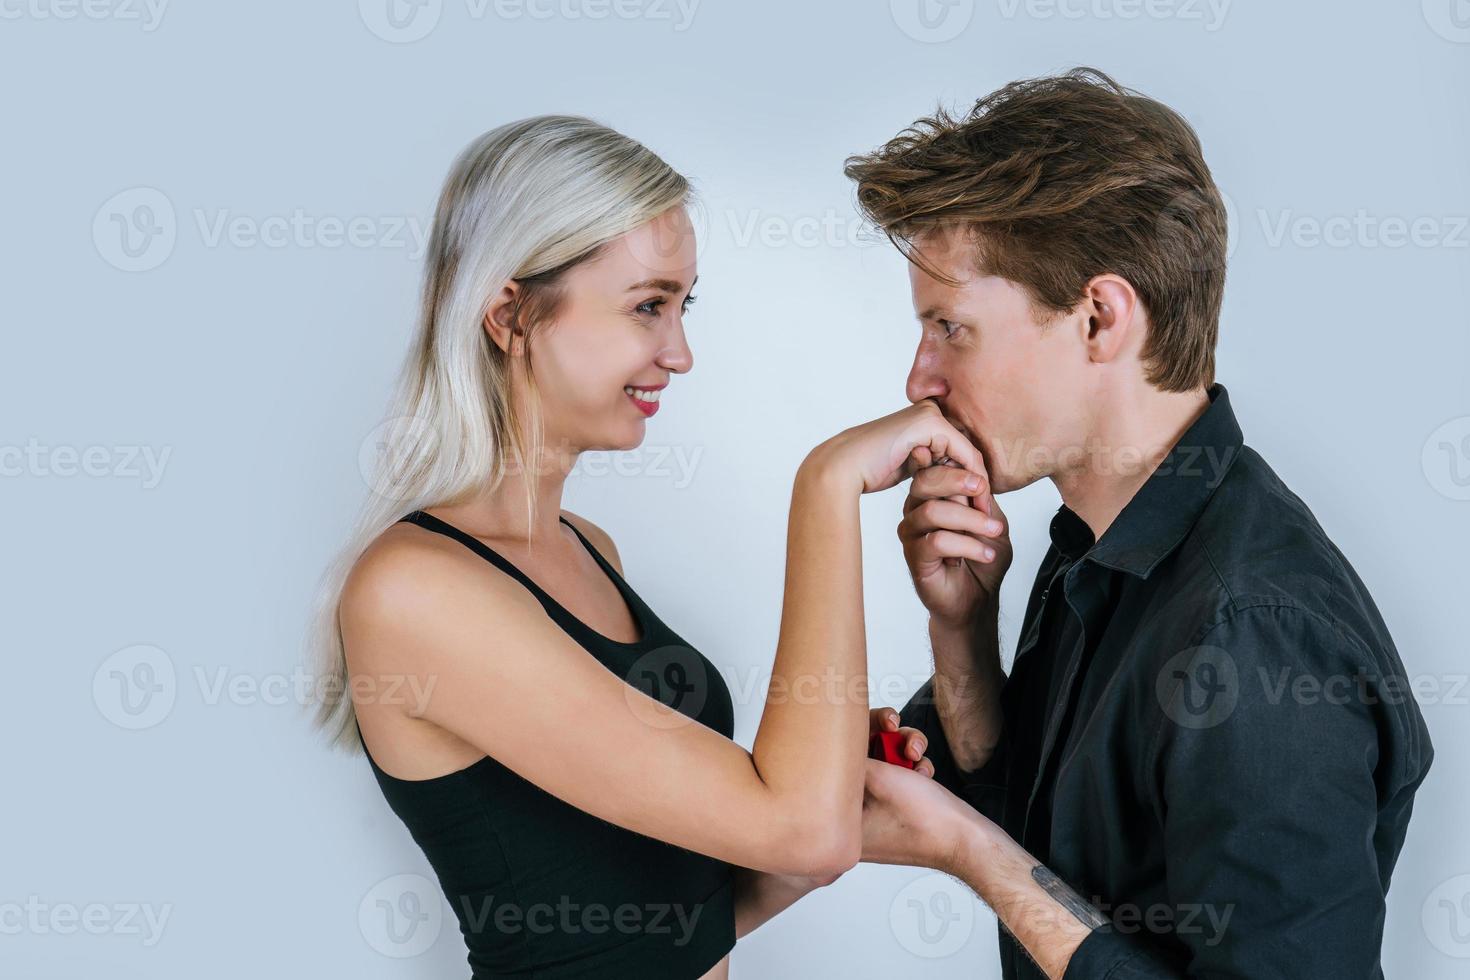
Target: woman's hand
{"x": 913, "y": 745}
{"x": 879, "y": 454}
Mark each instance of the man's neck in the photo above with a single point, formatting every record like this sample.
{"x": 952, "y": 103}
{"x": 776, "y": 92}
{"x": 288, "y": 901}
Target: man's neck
{"x": 1130, "y": 438}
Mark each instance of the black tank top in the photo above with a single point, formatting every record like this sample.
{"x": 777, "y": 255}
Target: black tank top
{"x": 543, "y": 889}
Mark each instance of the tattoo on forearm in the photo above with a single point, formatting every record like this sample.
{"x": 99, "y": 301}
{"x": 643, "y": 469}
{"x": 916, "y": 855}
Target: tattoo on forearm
{"x": 1067, "y": 898}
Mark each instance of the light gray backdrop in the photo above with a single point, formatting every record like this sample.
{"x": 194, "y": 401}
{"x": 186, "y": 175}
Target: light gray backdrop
{"x": 212, "y": 229}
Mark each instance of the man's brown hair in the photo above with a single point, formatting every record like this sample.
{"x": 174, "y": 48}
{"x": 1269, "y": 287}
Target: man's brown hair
{"x": 1060, "y": 179}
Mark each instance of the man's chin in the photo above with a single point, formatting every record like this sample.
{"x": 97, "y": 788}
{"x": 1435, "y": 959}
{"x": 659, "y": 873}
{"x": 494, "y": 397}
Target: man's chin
{"x": 1006, "y": 482}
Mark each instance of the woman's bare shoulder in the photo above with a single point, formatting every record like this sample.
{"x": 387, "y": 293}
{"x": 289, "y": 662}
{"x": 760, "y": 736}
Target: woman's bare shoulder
{"x": 408, "y": 576}
{"x": 600, "y": 539}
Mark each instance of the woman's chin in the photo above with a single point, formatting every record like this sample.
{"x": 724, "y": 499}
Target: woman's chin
{"x": 622, "y": 442}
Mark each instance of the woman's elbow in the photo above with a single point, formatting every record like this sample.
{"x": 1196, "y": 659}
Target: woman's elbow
{"x": 825, "y": 851}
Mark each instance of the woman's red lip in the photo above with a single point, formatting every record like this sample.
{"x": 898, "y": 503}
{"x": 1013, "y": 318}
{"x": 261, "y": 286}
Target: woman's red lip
{"x": 647, "y": 408}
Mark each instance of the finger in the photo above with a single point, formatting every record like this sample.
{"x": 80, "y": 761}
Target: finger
{"x": 943, "y": 439}
{"x": 946, "y": 515}
{"x": 914, "y": 743}
{"x": 925, "y": 766}
{"x": 933, "y": 548}
{"x": 919, "y": 460}
{"x": 941, "y": 482}
{"x": 886, "y": 719}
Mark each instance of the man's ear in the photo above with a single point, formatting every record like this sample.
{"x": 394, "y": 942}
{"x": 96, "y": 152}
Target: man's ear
{"x": 500, "y": 319}
{"x": 1114, "y": 317}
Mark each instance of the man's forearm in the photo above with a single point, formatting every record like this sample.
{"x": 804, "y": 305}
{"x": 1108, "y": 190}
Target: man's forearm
{"x": 967, "y": 683}
{"x": 1045, "y": 915}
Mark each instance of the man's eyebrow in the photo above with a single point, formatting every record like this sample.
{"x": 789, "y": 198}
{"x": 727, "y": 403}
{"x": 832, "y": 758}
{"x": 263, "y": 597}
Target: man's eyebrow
{"x": 937, "y": 313}
{"x": 666, "y": 285}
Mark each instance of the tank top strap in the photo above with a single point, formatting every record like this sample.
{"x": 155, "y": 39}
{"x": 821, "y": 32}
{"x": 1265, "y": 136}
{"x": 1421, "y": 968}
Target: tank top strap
{"x": 650, "y": 628}
{"x": 607, "y": 568}
{"x": 432, "y": 523}
{"x": 646, "y": 617}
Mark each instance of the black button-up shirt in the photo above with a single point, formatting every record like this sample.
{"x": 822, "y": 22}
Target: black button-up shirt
{"x": 1207, "y": 731}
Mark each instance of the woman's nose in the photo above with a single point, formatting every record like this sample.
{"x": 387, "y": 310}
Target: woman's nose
{"x": 676, "y": 355}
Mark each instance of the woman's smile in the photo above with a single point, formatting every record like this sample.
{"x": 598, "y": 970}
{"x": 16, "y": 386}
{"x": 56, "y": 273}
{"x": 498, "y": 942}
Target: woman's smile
{"x": 644, "y": 399}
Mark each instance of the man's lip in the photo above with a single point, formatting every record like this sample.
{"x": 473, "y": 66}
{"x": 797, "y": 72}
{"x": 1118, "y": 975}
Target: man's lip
{"x": 649, "y": 387}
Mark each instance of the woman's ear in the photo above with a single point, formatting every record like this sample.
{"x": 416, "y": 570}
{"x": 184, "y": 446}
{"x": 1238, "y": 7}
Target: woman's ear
{"x": 500, "y": 319}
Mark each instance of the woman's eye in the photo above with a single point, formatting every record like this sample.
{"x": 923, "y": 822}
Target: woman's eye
{"x": 650, "y": 308}
{"x": 689, "y": 301}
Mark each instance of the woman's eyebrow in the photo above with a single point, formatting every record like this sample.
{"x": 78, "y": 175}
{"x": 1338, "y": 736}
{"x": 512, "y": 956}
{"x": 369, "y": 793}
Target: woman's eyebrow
{"x": 666, "y": 285}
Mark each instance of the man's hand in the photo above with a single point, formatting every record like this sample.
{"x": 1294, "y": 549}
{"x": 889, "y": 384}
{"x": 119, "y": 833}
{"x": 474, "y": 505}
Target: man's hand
{"x": 955, "y": 539}
{"x": 910, "y": 819}
{"x": 906, "y": 815}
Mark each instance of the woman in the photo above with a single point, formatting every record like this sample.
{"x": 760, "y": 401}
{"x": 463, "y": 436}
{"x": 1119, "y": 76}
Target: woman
{"x": 569, "y": 771}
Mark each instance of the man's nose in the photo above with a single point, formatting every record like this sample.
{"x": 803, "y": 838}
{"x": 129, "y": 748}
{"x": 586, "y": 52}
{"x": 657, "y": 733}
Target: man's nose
{"x": 924, "y": 382}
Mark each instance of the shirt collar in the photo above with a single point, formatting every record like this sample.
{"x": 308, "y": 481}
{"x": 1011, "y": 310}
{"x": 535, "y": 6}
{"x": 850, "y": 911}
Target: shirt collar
{"x": 1070, "y": 534}
{"x": 1163, "y": 510}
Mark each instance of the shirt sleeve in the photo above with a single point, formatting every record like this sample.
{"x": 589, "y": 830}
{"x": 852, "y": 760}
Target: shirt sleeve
{"x": 1269, "y": 800}
{"x": 983, "y": 788}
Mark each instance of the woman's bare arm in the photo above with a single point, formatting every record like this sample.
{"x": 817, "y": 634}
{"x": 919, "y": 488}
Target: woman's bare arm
{"x": 507, "y": 680}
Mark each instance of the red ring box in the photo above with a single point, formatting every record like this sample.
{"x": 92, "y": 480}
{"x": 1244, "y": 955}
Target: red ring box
{"x": 888, "y": 747}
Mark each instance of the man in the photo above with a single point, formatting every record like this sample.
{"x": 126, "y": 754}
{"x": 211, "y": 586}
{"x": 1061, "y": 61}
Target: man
{"x": 1204, "y": 758}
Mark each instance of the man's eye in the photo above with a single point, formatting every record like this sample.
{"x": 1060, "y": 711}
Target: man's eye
{"x": 949, "y": 327}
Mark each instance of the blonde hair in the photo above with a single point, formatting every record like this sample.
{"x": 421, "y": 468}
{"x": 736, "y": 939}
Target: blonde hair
{"x": 526, "y": 201}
